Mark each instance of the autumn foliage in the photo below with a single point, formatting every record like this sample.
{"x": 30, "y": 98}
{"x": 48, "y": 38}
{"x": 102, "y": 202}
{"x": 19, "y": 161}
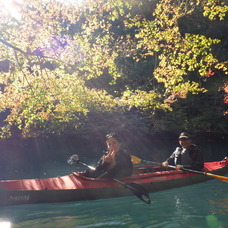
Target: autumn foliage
{"x": 61, "y": 61}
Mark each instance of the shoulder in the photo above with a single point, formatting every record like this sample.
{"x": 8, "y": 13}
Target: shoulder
{"x": 177, "y": 150}
{"x": 193, "y": 148}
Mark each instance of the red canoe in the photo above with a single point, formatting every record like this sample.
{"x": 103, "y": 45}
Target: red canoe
{"x": 75, "y": 187}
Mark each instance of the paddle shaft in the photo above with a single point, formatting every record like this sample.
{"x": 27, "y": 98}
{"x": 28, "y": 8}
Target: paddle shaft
{"x": 222, "y": 178}
{"x": 92, "y": 168}
{"x": 88, "y": 166}
{"x": 116, "y": 180}
{"x": 140, "y": 193}
{"x": 189, "y": 170}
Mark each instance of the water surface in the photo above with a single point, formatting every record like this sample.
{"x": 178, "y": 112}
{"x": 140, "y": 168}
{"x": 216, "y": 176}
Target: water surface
{"x": 200, "y": 205}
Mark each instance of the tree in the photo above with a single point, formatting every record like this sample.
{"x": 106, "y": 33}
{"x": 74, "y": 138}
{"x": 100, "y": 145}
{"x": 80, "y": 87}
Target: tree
{"x": 62, "y": 62}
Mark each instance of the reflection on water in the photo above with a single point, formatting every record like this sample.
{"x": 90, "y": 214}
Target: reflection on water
{"x": 220, "y": 205}
{"x": 198, "y": 206}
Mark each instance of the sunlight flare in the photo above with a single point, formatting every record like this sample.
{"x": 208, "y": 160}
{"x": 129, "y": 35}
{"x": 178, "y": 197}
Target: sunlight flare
{"x": 5, "y": 224}
{"x": 71, "y": 2}
{"x": 10, "y": 8}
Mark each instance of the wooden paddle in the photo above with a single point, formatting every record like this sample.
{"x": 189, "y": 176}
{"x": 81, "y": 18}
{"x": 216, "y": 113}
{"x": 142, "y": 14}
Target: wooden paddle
{"x": 137, "y": 189}
{"x": 137, "y": 160}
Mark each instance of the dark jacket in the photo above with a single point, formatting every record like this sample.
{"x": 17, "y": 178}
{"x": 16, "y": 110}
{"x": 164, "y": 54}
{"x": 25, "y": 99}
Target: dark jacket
{"x": 191, "y": 158}
{"x": 122, "y": 168}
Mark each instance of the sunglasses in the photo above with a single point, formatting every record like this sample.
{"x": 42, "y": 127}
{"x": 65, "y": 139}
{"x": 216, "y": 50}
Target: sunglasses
{"x": 184, "y": 139}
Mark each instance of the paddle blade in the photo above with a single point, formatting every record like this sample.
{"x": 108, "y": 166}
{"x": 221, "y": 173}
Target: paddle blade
{"x": 139, "y": 191}
{"x": 222, "y": 178}
{"x": 135, "y": 160}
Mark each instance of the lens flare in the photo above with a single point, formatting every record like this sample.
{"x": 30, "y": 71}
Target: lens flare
{"x": 5, "y": 224}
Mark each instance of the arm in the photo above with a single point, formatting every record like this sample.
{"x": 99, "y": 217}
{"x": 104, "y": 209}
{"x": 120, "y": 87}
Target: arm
{"x": 101, "y": 168}
{"x": 123, "y": 166}
{"x": 170, "y": 159}
{"x": 197, "y": 158}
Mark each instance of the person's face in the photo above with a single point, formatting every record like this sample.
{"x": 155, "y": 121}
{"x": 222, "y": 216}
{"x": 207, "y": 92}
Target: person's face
{"x": 113, "y": 144}
{"x": 185, "y": 143}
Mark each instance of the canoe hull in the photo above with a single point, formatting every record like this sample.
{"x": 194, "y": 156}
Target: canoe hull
{"x": 56, "y": 196}
{"x": 93, "y": 189}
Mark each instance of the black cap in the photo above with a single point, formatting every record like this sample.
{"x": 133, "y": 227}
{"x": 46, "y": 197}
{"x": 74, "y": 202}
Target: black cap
{"x": 184, "y": 135}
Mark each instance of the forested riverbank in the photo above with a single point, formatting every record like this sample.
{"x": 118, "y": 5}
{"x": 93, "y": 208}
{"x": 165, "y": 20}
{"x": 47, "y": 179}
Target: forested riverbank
{"x": 72, "y": 72}
{"x": 99, "y": 65}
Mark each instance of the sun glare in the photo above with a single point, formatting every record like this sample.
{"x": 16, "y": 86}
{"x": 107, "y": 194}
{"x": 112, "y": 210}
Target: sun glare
{"x": 9, "y": 7}
{"x": 5, "y": 224}
{"x": 71, "y": 2}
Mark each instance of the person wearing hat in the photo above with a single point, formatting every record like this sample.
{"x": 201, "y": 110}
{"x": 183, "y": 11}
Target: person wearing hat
{"x": 187, "y": 156}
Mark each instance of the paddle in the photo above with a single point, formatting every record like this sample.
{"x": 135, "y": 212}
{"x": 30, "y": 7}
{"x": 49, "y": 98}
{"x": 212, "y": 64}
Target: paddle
{"x": 137, "y": 189}
{"x": 137, "y": 160}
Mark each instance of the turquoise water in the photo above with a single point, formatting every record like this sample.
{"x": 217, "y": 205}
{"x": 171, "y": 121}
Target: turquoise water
{"x": 201, "y": 205}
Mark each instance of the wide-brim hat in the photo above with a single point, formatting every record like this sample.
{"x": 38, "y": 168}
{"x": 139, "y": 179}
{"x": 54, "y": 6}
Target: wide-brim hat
{"x": 184, "y": 135}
